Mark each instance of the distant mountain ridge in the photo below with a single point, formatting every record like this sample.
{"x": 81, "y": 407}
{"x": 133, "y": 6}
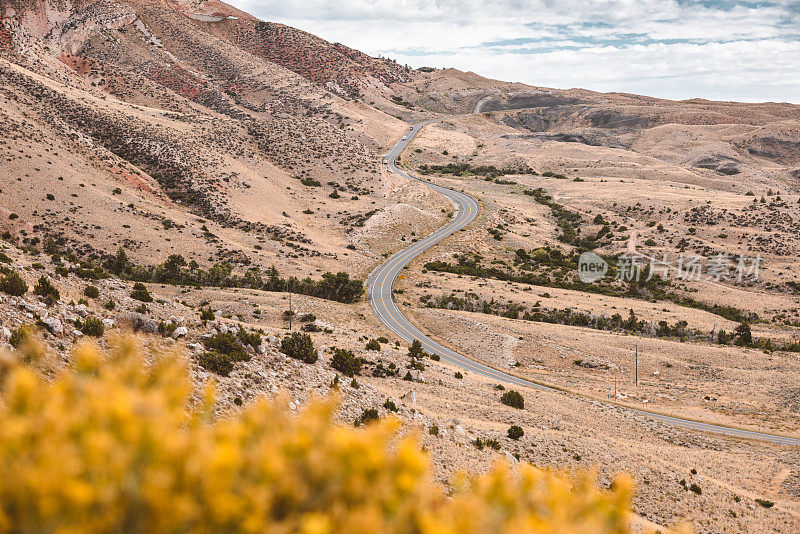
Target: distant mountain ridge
{"x": 63, "y": 27}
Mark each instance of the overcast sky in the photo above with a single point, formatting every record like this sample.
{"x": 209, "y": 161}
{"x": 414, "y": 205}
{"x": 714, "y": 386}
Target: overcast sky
{"x": 715, "y": 49}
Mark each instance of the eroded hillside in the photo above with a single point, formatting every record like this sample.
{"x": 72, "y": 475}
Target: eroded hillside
{"x": 183, "y": 132}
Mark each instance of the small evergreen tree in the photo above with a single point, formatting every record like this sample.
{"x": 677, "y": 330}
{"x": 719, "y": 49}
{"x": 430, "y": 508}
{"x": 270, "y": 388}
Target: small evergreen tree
{"x": 744, "y": 337}
{"x": 13, "y": 284}
{"x": 346, "y": 362}
{"x": 119, "y": 264}
{"x": 45, "y": 289}
{"x": 93, "y": 327}
{"x": 300, "y": 347}
{"x": 141, "y": 293}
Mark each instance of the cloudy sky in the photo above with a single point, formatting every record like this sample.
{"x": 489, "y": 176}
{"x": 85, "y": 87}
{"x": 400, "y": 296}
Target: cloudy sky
{"x": 716, "y": 49}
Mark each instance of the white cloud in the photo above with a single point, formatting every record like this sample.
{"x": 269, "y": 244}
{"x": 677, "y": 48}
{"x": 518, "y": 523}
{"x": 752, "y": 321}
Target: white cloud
{"x": 719, "y": 49}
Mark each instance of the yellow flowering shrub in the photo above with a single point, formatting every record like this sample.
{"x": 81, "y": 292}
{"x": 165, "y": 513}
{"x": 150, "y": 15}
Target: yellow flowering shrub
{"x": 109, "y": 445}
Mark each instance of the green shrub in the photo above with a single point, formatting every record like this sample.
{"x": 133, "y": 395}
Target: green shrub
{"x": 93, "y": 327}
{"x": 300, "y": 347}
{"x": 45, "y": 289}
{"x": 141, "y": 293}
{"x": 373, "y": 344}
{"x": 346, "y": 362}
{"x": 167, "y": 328}
{"x": 308, "y": 318}
{"x": 515, "y": 432}
{"x": 389, "y": 405}
{"x": 513, "y": 398}
{"x": 17, "y": 337}
{"x": 91, "y": 291}
{"x": 216, "y": 363}
{"x": 492, "y": 443}
{"x": 382, "y": 339}
{"x": 765, "y": 503}
{"x": 13, "y": 284}
{"x": 433, "y": 430}
{"x": 228, "y": 345}
{"x": 416, "y": 364}
{"x": 249, "y": 338}
{"x": 206, "y": 314}
{"x": 459, "y": 375}
{"x": 368, "y": 416}
{"x": 696, "y": 489}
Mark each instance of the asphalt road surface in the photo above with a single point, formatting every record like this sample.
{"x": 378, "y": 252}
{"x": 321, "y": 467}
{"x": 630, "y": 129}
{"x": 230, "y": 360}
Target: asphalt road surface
{"x": 380, "y": 287}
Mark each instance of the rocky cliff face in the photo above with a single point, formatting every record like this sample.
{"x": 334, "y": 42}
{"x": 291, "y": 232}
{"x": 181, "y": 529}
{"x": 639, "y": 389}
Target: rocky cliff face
{"x": 5, "y": 37}
{"x": 71, "y": 35}
{"x": 58, "y": 26}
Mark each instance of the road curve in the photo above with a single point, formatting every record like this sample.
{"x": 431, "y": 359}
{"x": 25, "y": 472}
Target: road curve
{"x": 380, "y": 288}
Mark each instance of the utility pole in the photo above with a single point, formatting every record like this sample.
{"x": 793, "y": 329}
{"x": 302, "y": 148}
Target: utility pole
{"x": 636, "y": 375}
{"x": 291, "y": 310}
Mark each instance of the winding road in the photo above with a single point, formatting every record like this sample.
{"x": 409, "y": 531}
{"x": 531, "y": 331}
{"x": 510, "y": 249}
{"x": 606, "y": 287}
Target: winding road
{"x": 380, "y": 288}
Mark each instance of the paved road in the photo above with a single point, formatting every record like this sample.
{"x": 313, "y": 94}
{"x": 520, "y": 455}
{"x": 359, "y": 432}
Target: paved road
{"x": 380, "y": 285}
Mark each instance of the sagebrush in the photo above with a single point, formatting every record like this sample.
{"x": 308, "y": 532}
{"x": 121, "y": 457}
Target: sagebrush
{"x": 110, "y": 445}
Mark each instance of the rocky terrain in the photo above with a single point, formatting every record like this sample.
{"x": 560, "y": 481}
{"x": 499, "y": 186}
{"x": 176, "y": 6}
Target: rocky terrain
{"x": 169, "y": 169}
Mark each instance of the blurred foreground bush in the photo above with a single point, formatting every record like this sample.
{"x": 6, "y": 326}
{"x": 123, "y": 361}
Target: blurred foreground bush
{"x": 110, "y": 446}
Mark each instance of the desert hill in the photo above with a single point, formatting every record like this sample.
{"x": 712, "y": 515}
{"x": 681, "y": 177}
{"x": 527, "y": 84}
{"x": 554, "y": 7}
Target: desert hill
{"x": 170, "y": 111}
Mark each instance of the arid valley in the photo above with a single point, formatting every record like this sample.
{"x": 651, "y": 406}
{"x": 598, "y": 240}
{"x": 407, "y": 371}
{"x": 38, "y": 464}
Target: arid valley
{"x": 217, "y": 187}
